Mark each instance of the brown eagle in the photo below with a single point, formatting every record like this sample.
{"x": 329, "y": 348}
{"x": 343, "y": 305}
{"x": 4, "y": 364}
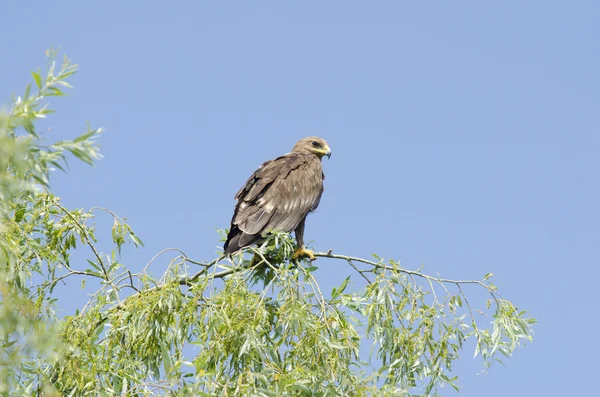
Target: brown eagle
{"x": 278, "y": 197}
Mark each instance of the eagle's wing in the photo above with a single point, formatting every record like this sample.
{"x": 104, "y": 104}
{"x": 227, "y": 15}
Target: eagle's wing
{"x": 278, "y": 196}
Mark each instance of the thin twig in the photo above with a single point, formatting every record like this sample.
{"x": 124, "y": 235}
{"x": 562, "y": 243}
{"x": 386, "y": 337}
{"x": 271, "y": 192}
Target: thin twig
{"x": 183, "y": 256}
{"x": 70, "y": 273}
{"x": 359, "y": 271}
{"x": 105, "y": 210}
{"x": 317, "y": 292}
{"x": 405, "y": 271}
{"x": 187, "y": 280}
{"x": 433, "y": 290}
{"x": 131, "y": 282}
{"x": 263, "y": 259}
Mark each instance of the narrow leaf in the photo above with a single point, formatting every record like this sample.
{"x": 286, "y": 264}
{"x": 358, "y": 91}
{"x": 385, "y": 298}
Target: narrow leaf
{"x": 38, "y": 79}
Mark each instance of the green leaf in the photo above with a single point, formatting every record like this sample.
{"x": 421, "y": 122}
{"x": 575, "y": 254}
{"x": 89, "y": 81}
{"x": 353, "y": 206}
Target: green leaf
{"x": 57, "y": 165}
{"x": 93, "y": 273}
{"x": 30, "y": 128}
{"x": 19, "y": 213}
{"x": 336, "y": 345}
{"x": 136, "y": 240}
{"x": 113, "y": 267}
{"x": 94, "y": 265}
{"x": 38, "y": 79}
{"x": 166, "y": 355}
{"x": 54, "y": 91}
{"x": 27, "y": 92}
{"x": 342, "y": 287}
{"x": 84, "y": 136}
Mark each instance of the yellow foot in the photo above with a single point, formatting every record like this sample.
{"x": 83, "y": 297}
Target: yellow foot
{"x": 303, "y": 252}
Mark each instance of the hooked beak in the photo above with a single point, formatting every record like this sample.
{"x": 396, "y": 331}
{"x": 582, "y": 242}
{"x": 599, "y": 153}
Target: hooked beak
{"x": 327, "y": 152}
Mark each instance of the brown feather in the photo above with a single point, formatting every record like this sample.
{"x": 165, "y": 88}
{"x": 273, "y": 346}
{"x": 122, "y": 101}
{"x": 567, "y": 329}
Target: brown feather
{"x": 277, "y": 196}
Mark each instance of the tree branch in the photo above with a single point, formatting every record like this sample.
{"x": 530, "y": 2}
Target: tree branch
{"x": 411, "y": 273}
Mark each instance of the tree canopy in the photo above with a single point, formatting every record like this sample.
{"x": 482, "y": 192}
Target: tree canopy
{"x": 257, "y": 324}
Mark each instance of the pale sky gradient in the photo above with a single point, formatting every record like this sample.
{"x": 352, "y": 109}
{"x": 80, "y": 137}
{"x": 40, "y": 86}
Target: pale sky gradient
{"x": 465, "y": 137}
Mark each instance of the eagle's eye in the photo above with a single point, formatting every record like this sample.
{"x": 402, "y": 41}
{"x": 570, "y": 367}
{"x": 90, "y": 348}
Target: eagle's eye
{"x": 316, "y": 144}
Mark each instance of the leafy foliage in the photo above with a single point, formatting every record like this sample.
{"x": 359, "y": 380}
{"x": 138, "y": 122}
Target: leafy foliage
{"x": 35, "y": 235}
{"x": 254, "y": 324}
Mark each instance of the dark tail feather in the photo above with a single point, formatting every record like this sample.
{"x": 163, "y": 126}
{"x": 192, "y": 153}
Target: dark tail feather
{"x": 231, "y": 245}
{"x": 236, "y": 240}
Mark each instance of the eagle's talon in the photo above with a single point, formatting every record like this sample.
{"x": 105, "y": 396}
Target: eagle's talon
{"x": 303, "y": 252}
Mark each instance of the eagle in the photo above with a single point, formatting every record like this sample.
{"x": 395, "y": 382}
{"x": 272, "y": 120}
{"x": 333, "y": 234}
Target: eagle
{"x": 278, "y": 196}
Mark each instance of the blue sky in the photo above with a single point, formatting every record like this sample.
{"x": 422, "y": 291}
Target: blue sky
{"x": 464, "y": 137}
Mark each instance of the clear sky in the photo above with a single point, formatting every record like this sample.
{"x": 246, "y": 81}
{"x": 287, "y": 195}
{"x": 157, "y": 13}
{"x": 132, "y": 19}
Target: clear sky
{"x": 465, "y": 136}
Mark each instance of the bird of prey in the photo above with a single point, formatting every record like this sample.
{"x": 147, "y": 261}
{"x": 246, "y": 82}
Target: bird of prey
{"x": 278, "y": 197}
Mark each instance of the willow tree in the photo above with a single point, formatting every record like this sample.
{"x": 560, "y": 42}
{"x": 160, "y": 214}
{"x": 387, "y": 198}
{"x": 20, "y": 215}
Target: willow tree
{"x": 254, "y": 324}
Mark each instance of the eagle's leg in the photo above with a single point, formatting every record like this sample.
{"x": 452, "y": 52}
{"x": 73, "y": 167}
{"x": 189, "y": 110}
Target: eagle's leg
{"x": 302, "y": 251}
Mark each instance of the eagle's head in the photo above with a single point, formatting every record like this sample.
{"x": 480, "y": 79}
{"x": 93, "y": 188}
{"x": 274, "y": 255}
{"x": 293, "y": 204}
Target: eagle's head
{"x": 313, "y": 144}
